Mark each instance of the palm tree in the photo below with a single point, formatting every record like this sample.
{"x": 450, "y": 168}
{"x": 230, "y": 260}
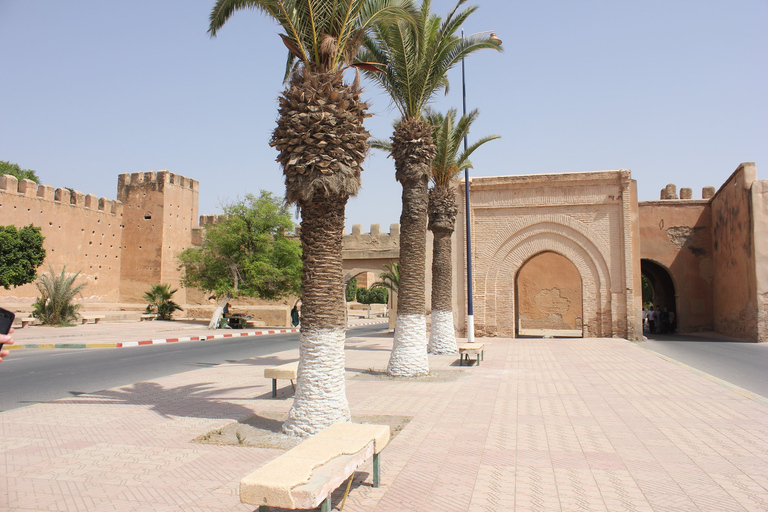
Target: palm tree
{"x": 390, "y": 278}
{"x": 54, "y": 306}
{"x": 160, "y": 298}
{"x": 321, "y": 143}
{"x": 448, "y": 136}
{"x": 417, "y": 58}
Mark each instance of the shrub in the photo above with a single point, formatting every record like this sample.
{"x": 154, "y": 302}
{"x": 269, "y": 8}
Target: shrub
{"x": 352, "y": 289}
{"x": 161, "y": 302}
{"x": 54, "y": 306}
{"x": 372, "y": 296}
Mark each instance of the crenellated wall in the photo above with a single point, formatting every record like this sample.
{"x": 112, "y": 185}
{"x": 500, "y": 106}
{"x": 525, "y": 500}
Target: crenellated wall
{"x": 81, "y": 231}
{"x": 159, "y": 217}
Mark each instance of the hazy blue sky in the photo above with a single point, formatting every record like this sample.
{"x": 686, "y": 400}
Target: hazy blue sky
{"x": 674, "y": 90}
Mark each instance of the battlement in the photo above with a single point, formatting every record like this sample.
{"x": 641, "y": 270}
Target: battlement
{"x": 375, "y": 239}
{"x": 28, "y": 188}
{"x": 156, "y": 180}
{"x": 207, "y": 220}
{"x": 670, "y": 193}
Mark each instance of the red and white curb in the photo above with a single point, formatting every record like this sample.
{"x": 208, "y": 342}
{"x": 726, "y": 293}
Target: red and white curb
{"x": 225, "y": 335}
{"x": 203, "y": 338}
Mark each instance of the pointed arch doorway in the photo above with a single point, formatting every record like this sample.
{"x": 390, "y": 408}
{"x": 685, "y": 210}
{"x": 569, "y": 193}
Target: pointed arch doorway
{"x": 548, "y": 297}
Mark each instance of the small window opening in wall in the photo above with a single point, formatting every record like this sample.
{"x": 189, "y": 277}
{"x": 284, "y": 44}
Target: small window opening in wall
{"x": 147, "y": 216}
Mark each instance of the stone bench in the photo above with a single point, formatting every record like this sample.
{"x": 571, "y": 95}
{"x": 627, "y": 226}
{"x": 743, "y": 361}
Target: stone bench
{"x": 284, "y": 371}
{"x": 85, "y": 318}
{"x": 27, "y": 321}
{"x": 147, "y": 316}
{"x": 467, "y": 349}
{"x": 306, "y": 476}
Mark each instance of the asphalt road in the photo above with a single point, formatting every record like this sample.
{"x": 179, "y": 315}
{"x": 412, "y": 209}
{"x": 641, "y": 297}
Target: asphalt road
{"x": 742, "y": 364}
{"x": 41, "y": 375}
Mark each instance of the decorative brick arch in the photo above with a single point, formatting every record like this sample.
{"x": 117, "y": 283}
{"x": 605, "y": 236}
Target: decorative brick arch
{"x": 499, "y": 264}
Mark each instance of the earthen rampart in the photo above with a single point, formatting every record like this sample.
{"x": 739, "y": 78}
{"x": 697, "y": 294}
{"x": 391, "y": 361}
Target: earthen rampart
{"x": 82, "y": 231}
{"x": 739, "y": 233}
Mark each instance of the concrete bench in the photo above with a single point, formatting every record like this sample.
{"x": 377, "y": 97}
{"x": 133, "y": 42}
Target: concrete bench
{"x": 148, "y": 316}
{"x": 467, "y": 349}
{"x": 284, "y": 371}
{"x": 95, "y": 318}
{"x": 27, "y": 321}
{"x": 306, "y": 476}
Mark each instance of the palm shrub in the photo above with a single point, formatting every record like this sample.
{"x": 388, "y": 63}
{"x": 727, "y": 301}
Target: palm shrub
{"x": 390, "y": 278}
{"x": 54, "y": 306}
{"x": 161, "y": 302}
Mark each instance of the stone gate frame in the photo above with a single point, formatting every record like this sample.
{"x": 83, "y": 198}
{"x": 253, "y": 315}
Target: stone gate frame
{"x": 520, "y": 241}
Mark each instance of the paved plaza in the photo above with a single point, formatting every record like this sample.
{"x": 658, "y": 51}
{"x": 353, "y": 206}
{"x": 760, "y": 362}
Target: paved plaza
{"x": 540, "y": 425}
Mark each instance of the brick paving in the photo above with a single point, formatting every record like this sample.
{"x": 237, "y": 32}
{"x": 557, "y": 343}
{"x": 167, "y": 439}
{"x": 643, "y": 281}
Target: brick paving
{"x": 540, "y": 425}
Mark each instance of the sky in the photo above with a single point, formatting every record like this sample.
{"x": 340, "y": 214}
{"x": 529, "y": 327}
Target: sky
{"x": 674, "y": 90}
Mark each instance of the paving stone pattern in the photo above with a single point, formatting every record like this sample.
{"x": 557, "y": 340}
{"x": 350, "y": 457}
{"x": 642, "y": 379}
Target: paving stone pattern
{"x": 541, "y": 425}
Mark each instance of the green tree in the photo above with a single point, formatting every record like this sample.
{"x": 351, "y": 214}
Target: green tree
{"x": 448, "y": 136}
{"x": 18, "y": 172}
{"x": 160, "y": 298}
{"x": 54, "y": 306}
{"x": 21, "y": 253}
{"x": 321, "y": 145}
{"x": 417, "y": 58}
{"x": 251, "y": 253}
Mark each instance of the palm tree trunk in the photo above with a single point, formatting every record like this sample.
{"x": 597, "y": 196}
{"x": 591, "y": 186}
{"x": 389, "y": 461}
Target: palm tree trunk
{"x": 413, "y": 152}
{"x": 442, "y": 219}
{"x": 321, "y": 398}
{"x": 442, "y": 338}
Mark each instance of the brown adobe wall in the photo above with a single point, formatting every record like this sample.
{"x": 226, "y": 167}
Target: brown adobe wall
{"x": 760, "y": 235}
{"x": 734, "y": 231}
{"x": 677, "y": 235}
{"x": 81, "y": 231}
{"x": 160, "y": 213}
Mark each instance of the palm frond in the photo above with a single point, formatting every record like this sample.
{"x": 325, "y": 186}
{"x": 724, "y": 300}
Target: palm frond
{"x": 417, "y": 57}
{"x": 448, "y": 136}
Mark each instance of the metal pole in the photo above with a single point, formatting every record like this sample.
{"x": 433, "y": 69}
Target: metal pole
{"x": 470, "y": 309}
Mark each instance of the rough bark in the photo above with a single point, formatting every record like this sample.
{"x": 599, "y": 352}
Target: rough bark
{"x": 442, "y": 219}
{"x": 320, "y": 389}
{"x": 413, "y": 151}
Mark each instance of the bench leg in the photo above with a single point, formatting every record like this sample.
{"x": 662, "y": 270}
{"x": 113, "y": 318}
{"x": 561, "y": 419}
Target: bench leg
{"x": 478, "y": 359}
{"x": 263, "y": 508}
{"x": 274, "y": 388}
{"x": 327, "y": 506}
{"x": 376, "y": 470}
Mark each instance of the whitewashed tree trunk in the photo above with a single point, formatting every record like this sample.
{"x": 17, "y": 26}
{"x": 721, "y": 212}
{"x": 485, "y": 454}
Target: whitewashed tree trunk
{"x": 442, "y": 336}
{"x": 321, "y": 398}
{"x": 409, "y": 351}
{"x": 214, "y": 323}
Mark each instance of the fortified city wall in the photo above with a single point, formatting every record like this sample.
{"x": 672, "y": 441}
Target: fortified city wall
{"x": 81, "y": 231}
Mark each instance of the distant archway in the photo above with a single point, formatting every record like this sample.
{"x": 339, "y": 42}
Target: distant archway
{"x": 663, "y": 287}
{"x": 548, "y": 297}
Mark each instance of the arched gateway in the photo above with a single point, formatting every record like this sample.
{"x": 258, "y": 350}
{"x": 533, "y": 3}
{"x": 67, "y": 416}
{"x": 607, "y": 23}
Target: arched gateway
{"x": 585, "y": 218}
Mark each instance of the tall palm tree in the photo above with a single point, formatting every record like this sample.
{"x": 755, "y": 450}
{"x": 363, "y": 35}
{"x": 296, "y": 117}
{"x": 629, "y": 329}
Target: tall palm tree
{"x": 321, "y": 143}
{"x": 417, "y": 58}
{"x": 448, "y": 136}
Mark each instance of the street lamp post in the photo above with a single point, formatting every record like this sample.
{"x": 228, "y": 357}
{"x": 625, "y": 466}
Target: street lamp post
{"x": 470, "y": 308}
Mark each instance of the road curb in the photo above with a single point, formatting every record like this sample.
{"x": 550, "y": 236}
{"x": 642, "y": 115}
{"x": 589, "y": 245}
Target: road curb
{"x": 159, "y": 341}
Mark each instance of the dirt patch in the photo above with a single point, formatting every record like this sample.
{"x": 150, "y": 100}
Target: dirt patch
{"x": 263, "y": 430}
{"x": 432, "y": 376}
